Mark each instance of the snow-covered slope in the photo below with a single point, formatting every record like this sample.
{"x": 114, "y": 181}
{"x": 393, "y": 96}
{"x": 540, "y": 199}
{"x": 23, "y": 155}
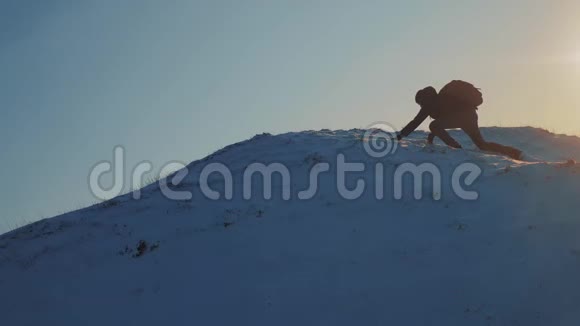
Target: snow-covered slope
{"x": 512, "y": 257}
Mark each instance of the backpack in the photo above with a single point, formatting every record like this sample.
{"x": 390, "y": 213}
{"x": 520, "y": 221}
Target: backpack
{"x": 463, "y": 94}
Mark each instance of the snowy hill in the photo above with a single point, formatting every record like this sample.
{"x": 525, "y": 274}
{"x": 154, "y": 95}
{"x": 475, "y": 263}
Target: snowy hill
{"x": 511, "y": 257}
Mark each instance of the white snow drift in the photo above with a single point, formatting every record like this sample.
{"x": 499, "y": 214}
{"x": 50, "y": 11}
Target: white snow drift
{"x": 512, "y": 257}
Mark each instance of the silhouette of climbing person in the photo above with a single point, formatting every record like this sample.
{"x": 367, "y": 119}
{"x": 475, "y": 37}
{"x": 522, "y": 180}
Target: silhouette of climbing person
{"x": 455, "y": 106}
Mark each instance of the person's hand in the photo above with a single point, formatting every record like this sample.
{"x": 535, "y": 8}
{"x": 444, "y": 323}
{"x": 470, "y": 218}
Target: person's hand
{"x": 430, "y": 139}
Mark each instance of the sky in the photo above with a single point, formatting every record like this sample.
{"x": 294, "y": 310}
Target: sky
{"x": 177, "y": 80}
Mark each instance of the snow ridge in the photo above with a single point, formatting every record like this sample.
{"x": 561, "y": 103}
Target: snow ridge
{"x": 509, "y": 258}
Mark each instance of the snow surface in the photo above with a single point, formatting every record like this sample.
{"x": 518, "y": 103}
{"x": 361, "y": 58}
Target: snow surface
{"x": 512, "y": 257}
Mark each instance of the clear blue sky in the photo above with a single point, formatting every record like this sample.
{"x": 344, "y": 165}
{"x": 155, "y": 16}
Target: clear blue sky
{"x": 177, "y": 80}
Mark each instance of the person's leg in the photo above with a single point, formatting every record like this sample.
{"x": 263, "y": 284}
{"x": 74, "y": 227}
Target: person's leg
{"x": 471, "y": 128}
{"x": 505, "y": 150}
{"x": 438, "y": 129}
{"x": 430, "y": 138}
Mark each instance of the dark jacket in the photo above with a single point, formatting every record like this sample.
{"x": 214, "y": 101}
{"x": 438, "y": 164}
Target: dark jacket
{"x": 442, "y": 107}
{"x": 418, "y": 120}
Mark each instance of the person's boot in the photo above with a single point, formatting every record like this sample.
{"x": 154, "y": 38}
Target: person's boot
{"x": 516, "y": 154}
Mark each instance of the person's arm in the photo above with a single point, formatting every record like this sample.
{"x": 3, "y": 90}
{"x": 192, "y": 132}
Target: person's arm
{"x": 411, "y": 126}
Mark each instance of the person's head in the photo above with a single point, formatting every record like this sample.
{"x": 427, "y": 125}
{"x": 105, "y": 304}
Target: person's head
{"x": 426, "y": 96}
